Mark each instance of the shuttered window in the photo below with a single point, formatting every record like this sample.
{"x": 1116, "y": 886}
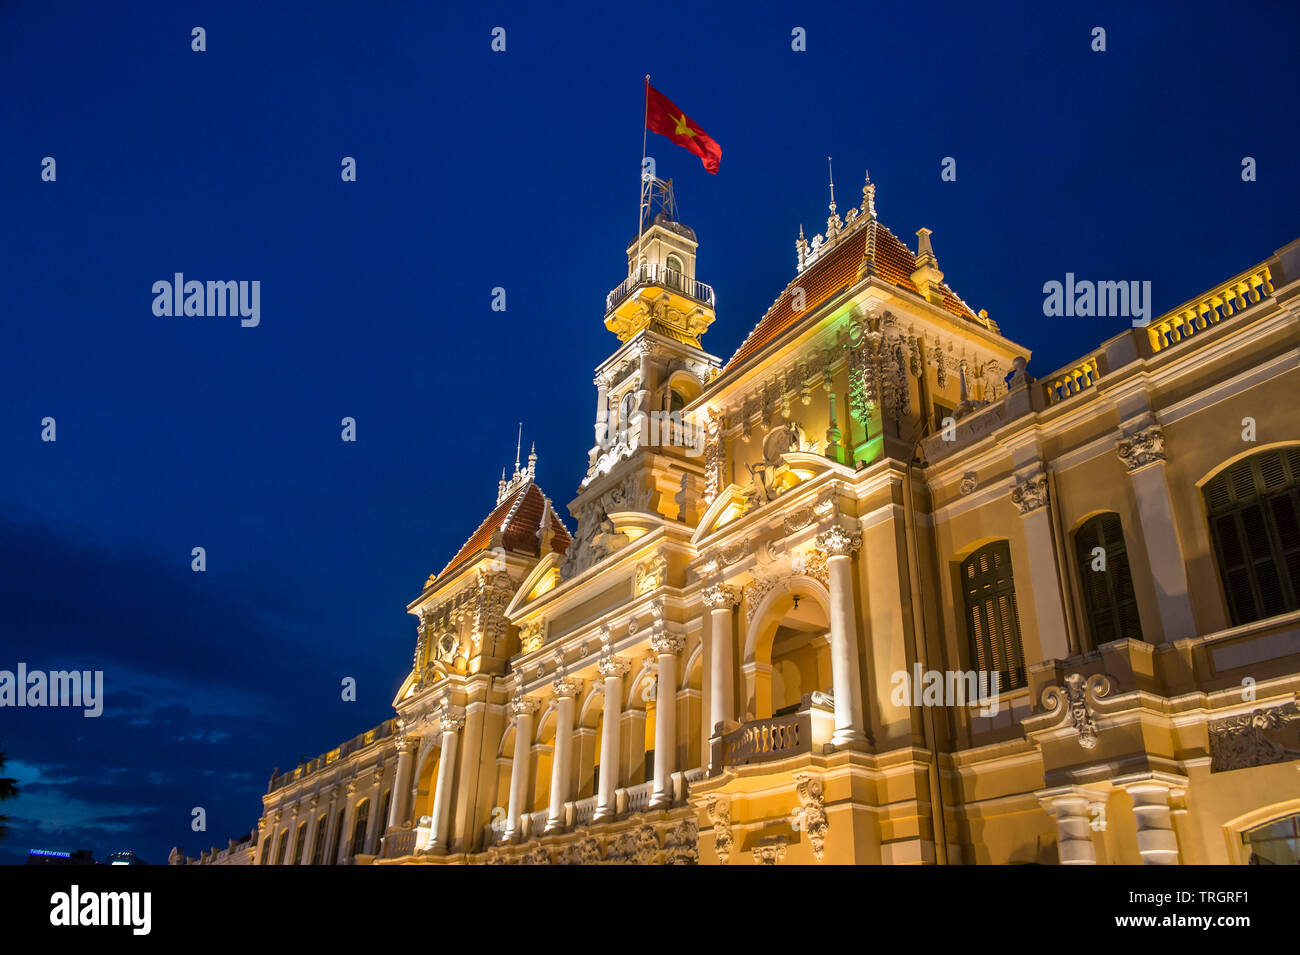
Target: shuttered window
{"x": 1107, "y": 593}
{"x": 992, "y": 622}
{"x": 1254, "y": 513}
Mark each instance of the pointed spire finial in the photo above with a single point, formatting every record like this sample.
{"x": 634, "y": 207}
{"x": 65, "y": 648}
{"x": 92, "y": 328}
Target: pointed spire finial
{"x": 869, "y": 196}
{"x": 519, "y": 442}
{"x": 532, "y": 461}
{"x": 831, "y": 169}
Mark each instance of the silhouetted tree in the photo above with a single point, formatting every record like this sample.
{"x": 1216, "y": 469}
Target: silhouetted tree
{"x": 8, "y": 790}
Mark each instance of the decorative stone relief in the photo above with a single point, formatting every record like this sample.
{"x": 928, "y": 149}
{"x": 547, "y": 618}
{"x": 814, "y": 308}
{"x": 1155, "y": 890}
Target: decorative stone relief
{"x": 650, "y": 574}
{"x": 635, "y": 847}
{"x": 1030, "y": 494}
{"x": 969, "y": 482}
{"x": 537, "y": 855}
{"x": 811, "y": 563}
{"x": 798, "y": 520}
{"x": 1257, "y": 738}
{"x": 720, "y": 816}
{"x": 524, "y": 706}
{"x": 769, "y": 851}
{"x": 451, "y": 718}
{"x": 613, "y": 666}
{"x": 531, "y": 636}
{"x": 720, "y": 595}
{"x": 667, "y": 642}
{"x": 756, "y": 590}
{"x": 681, "y": 843}
{"x": 565, "y": 687}
{"x": 713, "y": 456}
{"x": 838, "y": 542}
{"x": 1143, "y": 448}
{"x": 1077, "y": 699}
{"x": 812, "y": 815}
{"x": 583, "y": 852}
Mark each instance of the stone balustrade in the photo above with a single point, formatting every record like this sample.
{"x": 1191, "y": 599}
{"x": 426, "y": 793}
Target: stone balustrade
{"x": 1228, "y": 299}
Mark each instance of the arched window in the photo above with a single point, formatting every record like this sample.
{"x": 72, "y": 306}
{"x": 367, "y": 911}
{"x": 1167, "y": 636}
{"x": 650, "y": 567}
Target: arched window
{"x": 1274, "y": 843}
{"x": 359, "y": 828}
{"x": 318, "y": 841}
{"x": 1107, "y": 583}
{"x": 1254, "y": 512}
{"x": 299, "y": 843}
{"x": 626, "y": 408}
{"x": 281, "y": 846}
{"x": 673, "y": 263}
{"x": 992, "y": 622}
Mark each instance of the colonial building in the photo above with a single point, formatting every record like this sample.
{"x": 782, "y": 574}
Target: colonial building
{"x": 866, "y": 592}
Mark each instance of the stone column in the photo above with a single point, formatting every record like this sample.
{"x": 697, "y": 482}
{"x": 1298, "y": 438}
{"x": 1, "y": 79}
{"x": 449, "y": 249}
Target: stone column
{"x": 452, "y": 719}
{"x": 1157, "y": 843}
{"x": 1073, "y": 806}
{"x": 371, "y": 846}
{"x": 839, "y": 546}
{"x": 602, "y": 411}
{"x": 666, "y": 645}
{"x": 309, "y": 843}
{"x": 562, "y": 760}
{"x": 721, "y": 601}
{"x": 397, "y": 809}
{"x": 1143, "y": 455}
{"x": 613, "y": 669}
{"x": 331, "y": 850}
{"x": 349, "y": 815}
{"x": 1030, "y": 498}
{"x": 523, "y": 708}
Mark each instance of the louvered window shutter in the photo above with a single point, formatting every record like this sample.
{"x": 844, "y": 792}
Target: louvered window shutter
{"x": 1254, "y": 515}
{"x": 992, "y": 621}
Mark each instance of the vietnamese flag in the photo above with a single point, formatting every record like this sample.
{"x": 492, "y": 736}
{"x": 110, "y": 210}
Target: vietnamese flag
{"x": 662, "y": 117}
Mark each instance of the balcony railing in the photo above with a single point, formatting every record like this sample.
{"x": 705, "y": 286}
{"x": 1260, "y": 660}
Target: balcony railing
{"x": 760, "y": 741}
{"x": 663, "y": 277}
{"x": 1233, "y": 296}
{"x": 382, "y": 731}
{"x": 398, "y": 843}
{"x": 1071, "y": 380}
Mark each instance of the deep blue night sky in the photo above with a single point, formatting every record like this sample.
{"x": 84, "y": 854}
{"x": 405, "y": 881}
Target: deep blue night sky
{"x": 477, "y": 170}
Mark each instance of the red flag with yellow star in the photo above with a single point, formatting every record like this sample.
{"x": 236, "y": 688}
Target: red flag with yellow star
{"x": 662, "y": 117}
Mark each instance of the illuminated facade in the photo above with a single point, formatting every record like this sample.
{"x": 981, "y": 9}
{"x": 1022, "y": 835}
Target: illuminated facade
{"x": 769, "y": 550}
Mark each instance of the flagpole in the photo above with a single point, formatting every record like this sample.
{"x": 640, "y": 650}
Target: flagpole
{"x": 640, "y": 199}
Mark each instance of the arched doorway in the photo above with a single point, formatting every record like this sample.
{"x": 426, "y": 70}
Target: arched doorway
{"x": 787, "y": 652}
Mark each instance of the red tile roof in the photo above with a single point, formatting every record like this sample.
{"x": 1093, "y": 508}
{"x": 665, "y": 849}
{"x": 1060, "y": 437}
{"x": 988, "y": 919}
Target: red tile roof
{"x": 518, "y": 519}
{"x": 870, "y": 247}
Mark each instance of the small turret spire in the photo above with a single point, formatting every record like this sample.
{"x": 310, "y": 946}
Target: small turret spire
{"x": 834, "y": 223}
{"x": 519, "y": 442}
{"x": 532, "y": 461}
{"x": 869, "y": 196}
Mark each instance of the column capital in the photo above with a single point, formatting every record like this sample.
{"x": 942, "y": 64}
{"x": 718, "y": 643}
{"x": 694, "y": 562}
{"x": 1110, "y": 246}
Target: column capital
{"x": 838, "y": 542}
{"x": 407, "y": 744}
{"x": 613, "y": 667}
{"x": 452, "y": 718}
{"x": 524, "y": 706}
{"x": 1030, "y": 494}
{"x": 566, "y": 687}
{"x": 1144, "y": 447}
{"x": 667, "y": 642}
{"x": 721, "y": 597}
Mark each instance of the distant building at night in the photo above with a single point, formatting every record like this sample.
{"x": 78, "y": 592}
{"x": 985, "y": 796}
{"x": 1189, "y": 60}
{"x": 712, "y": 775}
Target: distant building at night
{"x": 814, "y": 555}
